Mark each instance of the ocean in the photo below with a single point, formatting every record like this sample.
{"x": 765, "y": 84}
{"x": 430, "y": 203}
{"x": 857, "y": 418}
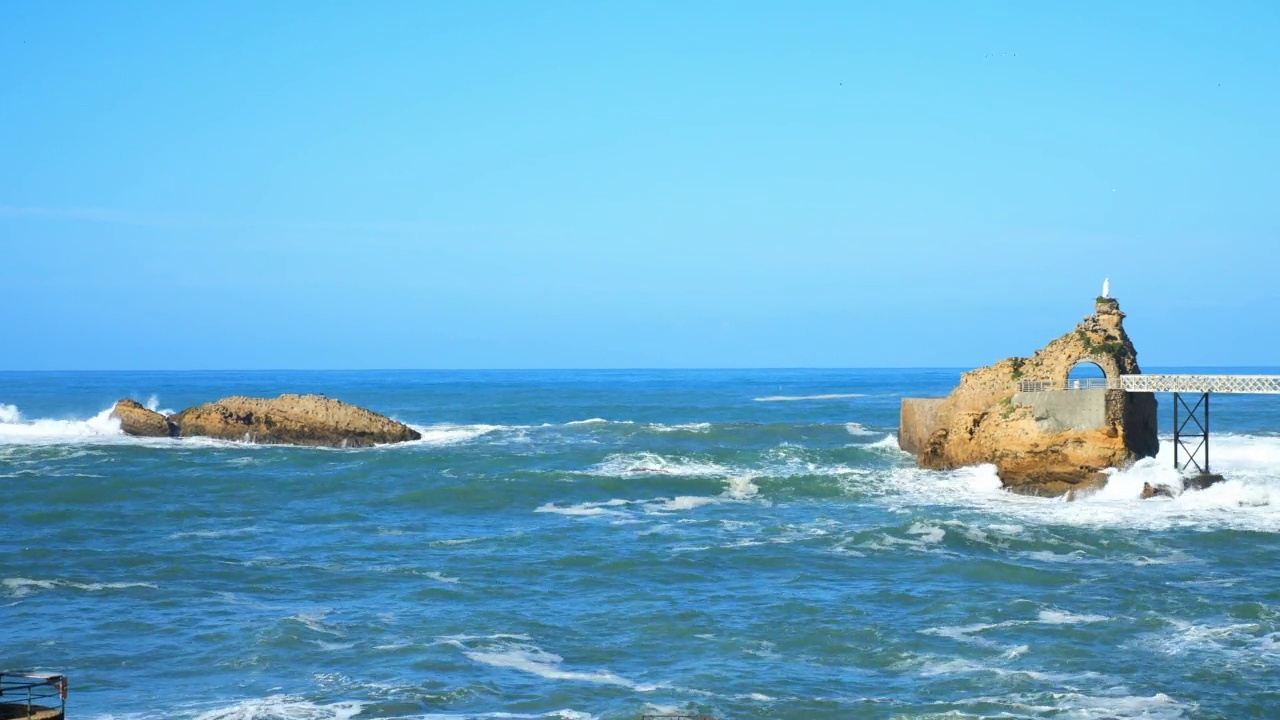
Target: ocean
{"x": 607, "y": 544}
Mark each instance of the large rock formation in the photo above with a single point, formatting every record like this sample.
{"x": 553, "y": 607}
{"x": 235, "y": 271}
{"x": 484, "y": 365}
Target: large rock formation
{"x": 138, "y": 420}
{"x": 292, "y": 420}
{"x": 287, "y": 420}
{"x": 1041, "y": 442}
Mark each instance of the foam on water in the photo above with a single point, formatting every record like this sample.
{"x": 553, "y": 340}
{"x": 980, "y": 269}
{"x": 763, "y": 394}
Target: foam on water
{"x": 1074, "y": 705}
{"x": 1062, "y": 617}
{"x": 14, "y": 430}
{"x": 283, "y": 707}
{"x": 519, "y": 654}
{"x": 737, "y": 489}
{"x": 448, "y": 434}
{"x": 9, "y": 415}
{"x": 697, "y": 427}
{"x": 102, "y": 428}
{"x": 858, "y": 430}
{"x": 632, "y": 464}
{"x": 1249, "y": 499}
{"x": 21, "y": 587}
{"x": 1226, "y": 641}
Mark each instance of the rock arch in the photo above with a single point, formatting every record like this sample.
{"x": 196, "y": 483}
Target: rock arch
{"x": 1110, "y": 368}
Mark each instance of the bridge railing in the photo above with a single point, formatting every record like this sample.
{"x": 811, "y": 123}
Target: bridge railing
{"x": 1251, "y": 384}
{"x": 1081, "y": 384}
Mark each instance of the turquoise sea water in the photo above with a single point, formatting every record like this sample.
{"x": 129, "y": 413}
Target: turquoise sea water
{"x": 744, "y": 544}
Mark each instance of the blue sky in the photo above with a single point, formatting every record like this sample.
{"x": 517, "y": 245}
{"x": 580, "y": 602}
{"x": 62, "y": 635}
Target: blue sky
{"x": 710, "y": 184}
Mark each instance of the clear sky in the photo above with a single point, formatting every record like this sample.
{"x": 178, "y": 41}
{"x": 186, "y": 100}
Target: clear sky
{"x": 640, "y": 184}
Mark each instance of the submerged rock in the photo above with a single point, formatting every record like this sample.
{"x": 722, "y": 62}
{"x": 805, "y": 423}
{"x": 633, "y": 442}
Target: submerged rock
{"x": 1042, "y": 442}
{"x": 135, "y": 419}
{"x": 1151, "y": 491}
{"x": 313, "y": 420}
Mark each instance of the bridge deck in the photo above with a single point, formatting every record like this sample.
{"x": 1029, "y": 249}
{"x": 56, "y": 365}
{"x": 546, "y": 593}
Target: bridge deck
{"x": 1251, "y": 384}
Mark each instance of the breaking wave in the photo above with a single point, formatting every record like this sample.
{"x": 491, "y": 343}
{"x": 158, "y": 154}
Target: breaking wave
{"x": 16, "y": 431}
{"x": 1248, "y": 499}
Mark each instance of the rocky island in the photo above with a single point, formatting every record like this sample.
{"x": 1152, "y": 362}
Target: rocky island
{"x": 1044, "y": 436}
{"x": 312, "y": 420}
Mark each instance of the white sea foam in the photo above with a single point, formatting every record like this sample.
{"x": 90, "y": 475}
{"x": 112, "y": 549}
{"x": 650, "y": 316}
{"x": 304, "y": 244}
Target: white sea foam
{"x": 1071, "y": 705}
{"x": 600, "y": 421}
{"x": 858, "y": 430}
{"x": 1086, "y": 707}
{"x": 888, "y": 443}
{"x": 682, "y": 502}
{"x": 698, "y": 427}
{"x": 1249, "y": 642}
{"x": 517, "y": 653}
{"x": 283, "y": 707}
{"x": 15, "y": 431}
{"x": 970, "y": 633}
{"x": 587, "y": 508}
{"x": 20, "y": 586}
{"x": 1249, "y": 499}
{"x": 448, "y": 434}
{"x": 1062, "y": 617}
{"x": 293, "y": 707}
{"x": 315, "y": 622}
{"x": 741, "y": 487}
{"x": 738, "y": 488}
{"x": 9, "y": 415}
{"x": 632, "y": 464}
{"x": 927, "y": 533}
{"x": 800, "y": 398}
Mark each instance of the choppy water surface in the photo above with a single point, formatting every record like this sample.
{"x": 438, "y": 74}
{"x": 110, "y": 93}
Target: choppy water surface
{"x": 597, "y": 545}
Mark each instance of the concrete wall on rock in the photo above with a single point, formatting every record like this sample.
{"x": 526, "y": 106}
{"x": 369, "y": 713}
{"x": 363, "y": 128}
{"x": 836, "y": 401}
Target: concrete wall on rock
{"x": 1061, "y": 410}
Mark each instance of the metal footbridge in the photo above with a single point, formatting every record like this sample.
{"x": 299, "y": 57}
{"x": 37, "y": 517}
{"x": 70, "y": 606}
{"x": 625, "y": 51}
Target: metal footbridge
{"x": 1248, "y": 384}
{"x": 1189, "y": 425}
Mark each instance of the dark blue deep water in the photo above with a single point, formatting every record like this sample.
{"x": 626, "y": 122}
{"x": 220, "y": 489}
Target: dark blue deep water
{"x": 742, "y": 544}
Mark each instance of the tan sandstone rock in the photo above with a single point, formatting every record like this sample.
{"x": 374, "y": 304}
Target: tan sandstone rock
{"x": 138, "y": 420}
{"x": 986, "y": 420}
{"x": 292, "y": 420}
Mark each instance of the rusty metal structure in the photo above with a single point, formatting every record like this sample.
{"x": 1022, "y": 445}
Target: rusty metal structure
{"x": 32, "y": 696}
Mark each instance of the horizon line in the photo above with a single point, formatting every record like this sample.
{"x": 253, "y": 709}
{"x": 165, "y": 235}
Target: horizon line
{"x": 962, "y": 368}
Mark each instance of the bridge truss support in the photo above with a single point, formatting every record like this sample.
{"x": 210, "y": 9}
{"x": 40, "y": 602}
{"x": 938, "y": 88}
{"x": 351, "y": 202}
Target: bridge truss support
{"x": 1187, "y": 430}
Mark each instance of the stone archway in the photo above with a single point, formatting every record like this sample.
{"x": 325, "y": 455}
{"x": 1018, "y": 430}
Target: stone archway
{"x": 1107, "y": 364}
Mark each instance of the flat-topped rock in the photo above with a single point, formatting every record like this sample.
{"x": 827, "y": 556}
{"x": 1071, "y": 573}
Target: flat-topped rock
{"x": 313, "y": 420}
{"x": 135, "y": 419}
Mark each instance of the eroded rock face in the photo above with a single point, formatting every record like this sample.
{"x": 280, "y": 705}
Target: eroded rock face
{"x": 138, "y": 420}
{"x": 985, "y": 419}
{"x": 313, "y": 420}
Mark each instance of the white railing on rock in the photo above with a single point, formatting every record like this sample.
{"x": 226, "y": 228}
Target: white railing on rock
{"x": 1251, "y": 384}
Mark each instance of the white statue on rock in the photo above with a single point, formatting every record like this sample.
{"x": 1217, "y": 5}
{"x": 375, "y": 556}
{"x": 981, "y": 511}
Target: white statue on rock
{"x": 1106, "y": 287}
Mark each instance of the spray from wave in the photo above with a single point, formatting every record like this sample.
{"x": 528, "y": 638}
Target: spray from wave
{"x": 16, "y": 431}
{"x": 1248, "y": 499}
{"x": 9, "y": 414}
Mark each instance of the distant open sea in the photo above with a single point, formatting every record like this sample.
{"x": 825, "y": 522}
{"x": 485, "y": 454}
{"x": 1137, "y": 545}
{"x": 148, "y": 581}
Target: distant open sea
{"x": 602, "y": 544}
